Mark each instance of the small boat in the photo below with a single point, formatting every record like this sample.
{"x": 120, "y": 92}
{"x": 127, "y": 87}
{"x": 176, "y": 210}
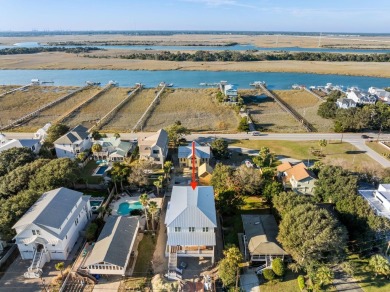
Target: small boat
{"x": 202, "y": 84}
{"x": 169, "y": 85}
{"x": 257, "y": 83}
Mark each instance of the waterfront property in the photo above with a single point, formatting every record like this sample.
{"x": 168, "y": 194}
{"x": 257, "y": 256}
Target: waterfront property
{"x": 51, "y": 227}
{"x": 154, "y": 148}
{"x": 72, "y": 143}
{"x": 113, "y": 149}
{"x": 360, "y": 97}
{"x": 202, "y": 155}
{"x": 191, "y": 222}
{"x": 259, "y": 239}
{"x": 33, "y": 144}
{"x": 379, "y": 199}
{"x": 230, "y": 92}
{"x": 381, "y": 94}
{"x": 112, "y": 251}
{"x": 345, "y": 103}
{"x": 297, "y": 177}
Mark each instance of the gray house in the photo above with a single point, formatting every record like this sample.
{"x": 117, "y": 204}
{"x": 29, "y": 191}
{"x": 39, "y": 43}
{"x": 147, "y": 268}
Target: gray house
{"x": 111, "y": 253}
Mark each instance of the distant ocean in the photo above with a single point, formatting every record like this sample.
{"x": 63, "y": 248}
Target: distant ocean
{"x": 173, "y": 32}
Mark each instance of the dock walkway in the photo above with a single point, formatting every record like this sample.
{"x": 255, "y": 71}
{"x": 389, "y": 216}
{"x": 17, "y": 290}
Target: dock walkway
{"x": 16, "y": 89}
{"x": 308, "y": 127}
{"x": 145, "y": 115}
{"x": 35, "y": 113}
{"x": 315, "y": 94}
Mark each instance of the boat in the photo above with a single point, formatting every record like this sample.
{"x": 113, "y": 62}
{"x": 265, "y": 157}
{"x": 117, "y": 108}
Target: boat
{"x": 202, "y": 84}
{"x": 169, "y": 85}
{"x": 257, "y": 83}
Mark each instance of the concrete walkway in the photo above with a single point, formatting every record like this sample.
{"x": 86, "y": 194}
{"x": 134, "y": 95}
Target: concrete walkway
{"x": 361, "y": 145}
{"x": 343, "y": 282}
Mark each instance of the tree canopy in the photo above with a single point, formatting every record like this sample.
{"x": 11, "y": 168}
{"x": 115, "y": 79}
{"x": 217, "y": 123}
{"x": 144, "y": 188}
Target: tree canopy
{"x": 14, "y": 157}
{"x": 54, "y": 132}
{"x": 227, "y": 267}
{"x": 311, "y": 235}
{"x": 176, "y": 132}
{"x": 219, "y": 147}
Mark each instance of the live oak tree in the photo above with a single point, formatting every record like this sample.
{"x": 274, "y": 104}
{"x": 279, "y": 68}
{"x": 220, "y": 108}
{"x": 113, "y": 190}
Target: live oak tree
{"x": 222, "y": 177}
{"x": 176, "y": 132}
{"x": 13, "y": 158}
{"x": 96, "y": 148}
{"x": 54, "y": 132}
{"x": 286, "y": 201}
{"x": 228, "y": 201}
{"x": 219, "y": 147}
{"x": 311, "y": 235}
{"x": 247, "y": 181}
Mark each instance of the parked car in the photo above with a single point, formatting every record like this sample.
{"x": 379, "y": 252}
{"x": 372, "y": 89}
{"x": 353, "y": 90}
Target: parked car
{"x": 365, "y": 137}
{"x": 255, "y": 133}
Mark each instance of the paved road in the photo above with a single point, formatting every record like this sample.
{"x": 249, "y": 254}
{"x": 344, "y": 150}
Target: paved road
{"x": 354, "y": 139}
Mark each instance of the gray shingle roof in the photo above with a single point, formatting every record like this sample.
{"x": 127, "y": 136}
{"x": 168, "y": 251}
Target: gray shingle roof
{"x": 51, "y": 209}
{"x": 76, "y": 134}
{"x": 115, "y": 241}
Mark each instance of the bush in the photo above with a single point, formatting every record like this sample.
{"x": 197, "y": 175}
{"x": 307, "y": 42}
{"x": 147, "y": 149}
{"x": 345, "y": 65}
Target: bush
{"x": 91, "y": 232}
{"x": 268, "y": 274}
{"x": 278, "y": 267}
{"x": 301, "y": 282}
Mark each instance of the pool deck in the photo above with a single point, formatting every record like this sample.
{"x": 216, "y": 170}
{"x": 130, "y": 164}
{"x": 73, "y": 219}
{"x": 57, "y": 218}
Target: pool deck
{"x": 126, "y": 198}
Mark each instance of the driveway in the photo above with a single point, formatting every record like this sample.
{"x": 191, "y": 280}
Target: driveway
{"x": 343, "y": 282}
{"x": 249, "y": 281}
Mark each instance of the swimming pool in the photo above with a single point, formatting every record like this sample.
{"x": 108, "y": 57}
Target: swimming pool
{"x": 125, "y": 208}
{"x": 101, "y": 170}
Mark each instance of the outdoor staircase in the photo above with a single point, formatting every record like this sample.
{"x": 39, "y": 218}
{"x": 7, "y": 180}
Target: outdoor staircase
{"x": 268, "y": 263}
{"x": 35, "y": 270}
{"x": 173, "y": 271}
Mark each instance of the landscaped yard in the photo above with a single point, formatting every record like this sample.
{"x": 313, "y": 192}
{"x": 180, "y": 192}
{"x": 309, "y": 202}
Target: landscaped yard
{"x": 289, "y": 284}
{"x": 367, "y": 280}
{"x": 378, "y": 148}
{"x": 343, "y": 154}
{"x": 146, "y": 249}
{"x": 88, "y": 170}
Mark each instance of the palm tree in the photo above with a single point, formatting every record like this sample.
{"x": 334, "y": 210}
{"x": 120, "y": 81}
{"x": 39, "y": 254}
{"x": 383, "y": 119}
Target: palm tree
{"x": 324, "y": 275}
{"x": 158, "y": 185}
{"x": 322, "y": 143}
{"x": 117, "y": 135}
{"x": 153, "y": 211}
{"x": 144, "y": 200}
{"x": 167, "y": 168}
{"x": 60, "y": 267}
{"x": 96, "y": 148}
{"x": 119, "y": 172}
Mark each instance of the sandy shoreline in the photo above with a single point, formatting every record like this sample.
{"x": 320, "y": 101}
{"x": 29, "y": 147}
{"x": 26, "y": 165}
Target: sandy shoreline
{"x": 46, "y": 61}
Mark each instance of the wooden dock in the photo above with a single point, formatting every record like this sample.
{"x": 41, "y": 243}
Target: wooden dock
{"x": 146, "y": 114}
{"x": 35, "y": 113}
{"x": 104, "y": 120}
{"x": 16, "y": 89}
{"x": 286, "y": 107}
{"x": 314, "y": 94}
{"x": 89, "y": 100}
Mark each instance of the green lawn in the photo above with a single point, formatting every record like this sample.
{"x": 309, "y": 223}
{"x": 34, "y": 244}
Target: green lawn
{"x": 289, "y": 284}
{"x": 88, "y": 170}
{"x": 337, "y": 153}
{"x": 145, "y": 254}
{"x": 378, "y": 148}
{"x": 367, "y": 280}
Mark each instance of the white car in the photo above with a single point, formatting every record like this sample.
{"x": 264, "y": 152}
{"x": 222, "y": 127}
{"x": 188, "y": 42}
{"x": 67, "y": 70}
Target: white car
{"x": 255, "y": 133}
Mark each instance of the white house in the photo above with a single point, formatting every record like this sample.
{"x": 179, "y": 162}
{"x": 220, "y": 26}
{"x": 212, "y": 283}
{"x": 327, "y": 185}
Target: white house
{"x": 51, "y": 227}
{"x": 41, "y": 133}
{"x": 230, "y": 91}
{"x": 113, "y": 149}
{"x": 379, "y": 199}
{"x": 154, "y": 148}
{"x": 360, "y": 97}
{"x": 191, "y": 222}
{"x": 72, "y": 143}
{"x": 345, "y": 103}
{"x": 111, "y": 253}
{"x": 202, "y": 155}
{"x": 380, "y": 93}
{"x": 33, "y": 144}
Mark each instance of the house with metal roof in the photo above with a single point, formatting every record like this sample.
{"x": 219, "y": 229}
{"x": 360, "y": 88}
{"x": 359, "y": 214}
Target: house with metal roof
{"x": 154, "y": 148}
{"x": 260, "y": 244}
{"x": 113, "y": 149}
{"x": 345, "y": 103}
{"x": 51, "y": 227}
{"x": 297, "y": 177}
{"x": 77, "y": 140}
{"x": 112, "y": 251}
{"x": 378, "y": 199}
{"x": 202, "y": 155}
{"x": 33, "y": 144}
{"x": 191, "y": 222}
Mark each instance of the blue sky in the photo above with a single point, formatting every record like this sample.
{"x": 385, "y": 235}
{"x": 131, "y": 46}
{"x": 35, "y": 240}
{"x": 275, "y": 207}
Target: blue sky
{"x": 256, "y": 15}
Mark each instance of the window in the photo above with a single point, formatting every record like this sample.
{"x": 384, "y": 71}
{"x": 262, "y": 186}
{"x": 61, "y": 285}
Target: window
{"x": 76, "y": 221}
{"x": 36, "y": 232}
{"x": 191, "y": 229}
{"x": 177, "y": 229}
{"x": 205, "y": 229}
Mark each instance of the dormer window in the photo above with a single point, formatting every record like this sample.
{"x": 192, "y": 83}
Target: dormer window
{"x": 36, "y": 232}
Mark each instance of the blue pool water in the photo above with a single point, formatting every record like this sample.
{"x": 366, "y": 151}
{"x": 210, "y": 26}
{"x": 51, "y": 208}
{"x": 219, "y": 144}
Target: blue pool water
{"x": 125, "y": 208}
{"x": 101, "y": 170}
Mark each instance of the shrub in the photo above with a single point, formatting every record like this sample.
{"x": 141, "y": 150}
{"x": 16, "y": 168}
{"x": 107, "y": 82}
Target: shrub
{"x": 268, "y": 274}
{"x": 91, "y": 231}
{"x": 301, "y": 282}
{"x": 278, "y": 267}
